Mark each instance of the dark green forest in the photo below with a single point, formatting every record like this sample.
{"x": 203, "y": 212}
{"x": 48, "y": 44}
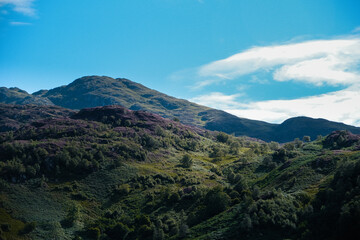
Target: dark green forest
{"x": 113, "y": 173}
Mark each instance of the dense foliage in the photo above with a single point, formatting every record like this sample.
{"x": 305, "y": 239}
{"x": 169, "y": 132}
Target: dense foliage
{"x": 112, "y": 173}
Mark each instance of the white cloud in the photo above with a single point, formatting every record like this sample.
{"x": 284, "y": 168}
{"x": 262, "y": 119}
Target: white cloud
{"x": 333, "y": 62}
{"x": 20, "y": 23}
{"x": 21, "y": 6}
{"x": 339, "y": 106}
{"x": 317, "y": 62}
{"x": 217, "y": 100}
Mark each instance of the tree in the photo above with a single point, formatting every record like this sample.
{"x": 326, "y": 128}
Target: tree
{"x": 306, "y": 139}
{"x": 274, "y": 145}
{"x": 29, "y": 227}
{"x": 241, "y": 185}
{"x": 216, "y": 201}
{"x": 174, "y": 198}
{"x": 93, "y": 233}
{"x": 186, "y": 161}
{"x": 280, "y": 155}
{"x": 72, "y": 215}
{"x": 222, "y": 137}
{"x": 234, "y": 147}
{"x": 298, "y": 143}
{"x": 118, "y": 231}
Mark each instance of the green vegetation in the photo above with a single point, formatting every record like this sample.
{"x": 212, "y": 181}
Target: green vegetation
{"x": 186, "y": 161}
{"x": 110, "y": 173}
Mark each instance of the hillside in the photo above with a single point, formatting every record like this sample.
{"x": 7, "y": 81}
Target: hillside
{"x": 12, "y": 116}
{"x": 93, "y": 91}
{"x": 96, "y": 91}
{"x": 18, "y": 96}
{"x": 113, "y": 173}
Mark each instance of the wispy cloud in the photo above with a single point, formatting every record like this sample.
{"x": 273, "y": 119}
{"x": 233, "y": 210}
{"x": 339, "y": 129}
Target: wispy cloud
{"x": 24, "y": 7}
{"x": 217, "y": 100}
{"x": 340, "y": 106}
{"x": 333, "y": 62}
{"x": 317, "y": 62}
{"x": 20, "y": 23}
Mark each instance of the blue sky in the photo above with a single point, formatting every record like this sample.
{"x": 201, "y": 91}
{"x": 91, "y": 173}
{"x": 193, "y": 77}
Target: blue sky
{"x": 267, "y": 60}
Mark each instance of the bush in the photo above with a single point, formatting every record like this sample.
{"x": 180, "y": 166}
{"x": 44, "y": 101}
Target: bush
{"x": 174, "y": 198}
{"x": 280, "y": 155}
{"x": 118, "y": 231}
{"x": 241, "y": 185}
{"x": 93, "y": 233}
{"x": 216, "y": 152}
{"x": 216, "y": 201}
{"x": 306, "y": 139}
{"x": 186, "y": 161}
{"x": 149, "y": 142}
{"x": 72, "y": 216}
{"x": 222, "y": 137}
{"x": 28, "y": 228}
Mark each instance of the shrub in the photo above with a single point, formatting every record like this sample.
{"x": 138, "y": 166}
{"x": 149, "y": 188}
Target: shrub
{"x": 280, "y": 155}
{"x": 118, "y": 231}
{"x": 145, "y": 232}
{"x": 174, "y": 198}
{"x": 72, "y": 216}
{"x": 142, "y": 220}
{"x": 93, "y": 233}
{"x": 216, "y": 201}
{"x": 28, "y": 228}
{"x": 306, "y": 139}
{"x": 241, "y": 185}
{"x": 149, "y": 142}
{"x": 216, "y": 152}
{"x": 186, "y": 161}
{"x": 222, "y": 137}
{"x": 123, "y": 189}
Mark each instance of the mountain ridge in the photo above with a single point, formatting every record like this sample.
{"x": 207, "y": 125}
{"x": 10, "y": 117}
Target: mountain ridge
{"x": 94, "y": 91}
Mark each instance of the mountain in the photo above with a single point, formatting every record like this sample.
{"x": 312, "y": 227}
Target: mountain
{"x": 18, "y": 96}
{"x": 114, "y": 173}
{"x": 304, "y": 126}
{"x": 96, "y": 91}
{"x": 93, "y": 91}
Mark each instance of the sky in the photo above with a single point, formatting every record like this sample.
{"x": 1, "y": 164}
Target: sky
{"x": 267, "y": 60}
